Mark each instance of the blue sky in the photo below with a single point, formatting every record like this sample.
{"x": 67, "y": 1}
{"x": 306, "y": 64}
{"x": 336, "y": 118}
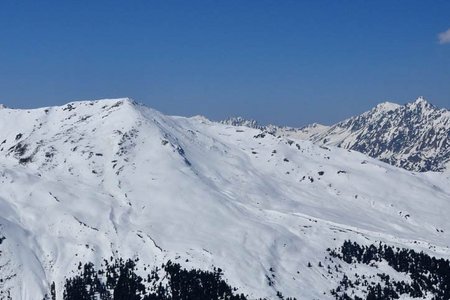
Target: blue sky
{"x": 282, "y": 62}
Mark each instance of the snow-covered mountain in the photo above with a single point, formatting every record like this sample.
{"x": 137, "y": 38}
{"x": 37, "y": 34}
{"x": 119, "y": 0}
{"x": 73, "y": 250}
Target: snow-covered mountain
{"x": 302, "y": 133}
{"x": 414, "y": 136}
{"x": 96, "y": 181}
{"x": 250, "y": 123}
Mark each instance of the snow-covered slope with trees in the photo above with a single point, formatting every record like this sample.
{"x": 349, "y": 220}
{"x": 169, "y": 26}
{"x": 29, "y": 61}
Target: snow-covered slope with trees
{"x": 96, "y": 180}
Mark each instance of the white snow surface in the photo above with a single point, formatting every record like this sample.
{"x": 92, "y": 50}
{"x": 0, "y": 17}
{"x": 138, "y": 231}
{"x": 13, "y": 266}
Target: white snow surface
{"x": 303, "y": 133}
{"x": 94, "y": 179}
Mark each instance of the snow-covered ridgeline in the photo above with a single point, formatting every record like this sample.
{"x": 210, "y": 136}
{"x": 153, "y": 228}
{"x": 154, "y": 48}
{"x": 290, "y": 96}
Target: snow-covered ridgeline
{"x": 94, "y": 179}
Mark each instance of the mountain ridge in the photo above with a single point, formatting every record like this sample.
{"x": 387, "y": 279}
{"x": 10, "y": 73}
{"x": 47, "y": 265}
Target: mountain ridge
{"x": 87, "y": 181}
{"x": 414, "y": 136}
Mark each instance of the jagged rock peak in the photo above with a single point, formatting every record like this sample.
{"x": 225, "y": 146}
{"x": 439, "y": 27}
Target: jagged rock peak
{"x": 240, "y": 121}
{"x": 421, "y": 103}
{"x": 420, "y": 99}
{"x": 414, "y": 136}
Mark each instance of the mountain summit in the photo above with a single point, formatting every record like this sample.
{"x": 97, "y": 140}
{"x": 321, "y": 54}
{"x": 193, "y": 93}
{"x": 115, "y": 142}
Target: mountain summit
{"x": 415, "y": 136}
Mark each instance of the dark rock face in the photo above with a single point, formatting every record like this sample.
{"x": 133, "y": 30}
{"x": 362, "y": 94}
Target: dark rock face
{"x": 239, "y": 121}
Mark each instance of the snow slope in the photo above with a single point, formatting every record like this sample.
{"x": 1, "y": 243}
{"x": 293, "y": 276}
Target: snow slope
{"x": 95, "y": 179}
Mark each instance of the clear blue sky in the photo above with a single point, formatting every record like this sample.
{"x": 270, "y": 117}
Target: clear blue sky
{"x": 284, "y": 62}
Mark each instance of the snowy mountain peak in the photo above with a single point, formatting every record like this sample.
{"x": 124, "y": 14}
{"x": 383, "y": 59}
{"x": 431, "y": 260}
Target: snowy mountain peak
{"x": 414, "y": 136}
{"x": 2, "y": 106}
{"x": 302, "y": 133}
{"x": 421, "y": 99}
{"x": 421, "y": 103}
{"x": 314, "y": 125}
{"x": 387, "y": 106}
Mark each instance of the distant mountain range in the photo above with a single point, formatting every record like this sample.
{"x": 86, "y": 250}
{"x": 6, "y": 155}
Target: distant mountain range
{"x": 414, "y": 136}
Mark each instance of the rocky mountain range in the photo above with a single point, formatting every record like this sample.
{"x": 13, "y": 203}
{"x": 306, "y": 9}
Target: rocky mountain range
{"x": 414, "y": 136}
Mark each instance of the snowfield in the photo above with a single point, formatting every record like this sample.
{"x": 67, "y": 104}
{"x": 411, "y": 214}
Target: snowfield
{"x": 95, "y": 179}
